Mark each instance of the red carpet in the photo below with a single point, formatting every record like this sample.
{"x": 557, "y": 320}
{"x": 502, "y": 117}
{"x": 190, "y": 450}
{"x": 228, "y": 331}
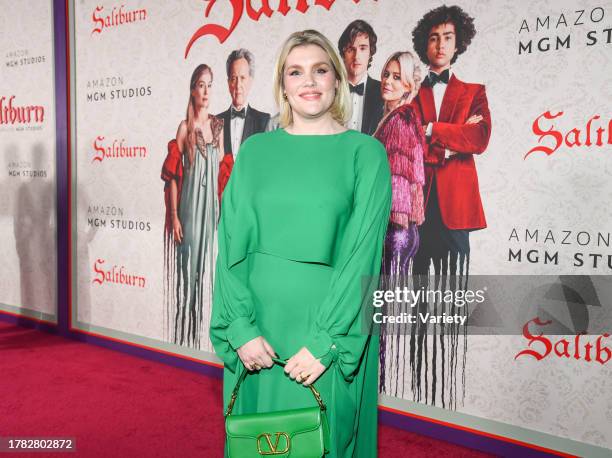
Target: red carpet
{"x": 116, "y": 405}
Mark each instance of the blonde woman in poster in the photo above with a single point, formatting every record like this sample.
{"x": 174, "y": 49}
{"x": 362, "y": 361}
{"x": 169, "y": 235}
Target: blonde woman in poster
{"x": 400, "y": 131}
{"x": 191, "y": 172}
{"x": 303, "y": 220}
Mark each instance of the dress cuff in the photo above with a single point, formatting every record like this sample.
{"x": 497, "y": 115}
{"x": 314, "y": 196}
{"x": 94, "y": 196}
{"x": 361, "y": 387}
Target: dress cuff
{"x": 240, "y": 331}
{"x": 323, "y": 348}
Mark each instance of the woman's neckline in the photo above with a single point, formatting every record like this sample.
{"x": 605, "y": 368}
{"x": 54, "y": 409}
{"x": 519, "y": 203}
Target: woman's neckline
{"x": 313, "y": 135}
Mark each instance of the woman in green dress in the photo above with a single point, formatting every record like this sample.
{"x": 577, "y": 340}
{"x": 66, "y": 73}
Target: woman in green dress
{"x": 302, "y": 223}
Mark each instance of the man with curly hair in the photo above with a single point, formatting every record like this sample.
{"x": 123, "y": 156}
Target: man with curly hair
{"x": 457, "y": 125}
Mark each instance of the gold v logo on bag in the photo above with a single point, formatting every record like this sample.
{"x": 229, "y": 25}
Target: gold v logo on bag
{"x": 308, "y": 424}
{"x": 273, "y": 449}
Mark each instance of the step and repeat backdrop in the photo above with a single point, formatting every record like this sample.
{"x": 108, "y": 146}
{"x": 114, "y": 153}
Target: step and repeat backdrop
{"x": 27, "y": 175}
{"x": 535, "y": 75}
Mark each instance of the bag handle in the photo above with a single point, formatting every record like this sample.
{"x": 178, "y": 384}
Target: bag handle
{"x": 280, "y": 362}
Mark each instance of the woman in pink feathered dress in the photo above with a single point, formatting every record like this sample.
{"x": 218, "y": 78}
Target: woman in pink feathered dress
{"x": 401, "y": 133}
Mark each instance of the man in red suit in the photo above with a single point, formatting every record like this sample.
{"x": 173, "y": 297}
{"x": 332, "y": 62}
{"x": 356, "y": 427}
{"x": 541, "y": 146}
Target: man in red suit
{"x": 457, "y": 125}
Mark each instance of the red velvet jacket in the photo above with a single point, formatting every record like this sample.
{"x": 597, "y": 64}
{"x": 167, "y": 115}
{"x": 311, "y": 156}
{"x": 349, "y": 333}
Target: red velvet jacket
{"x": 456, "y": 178}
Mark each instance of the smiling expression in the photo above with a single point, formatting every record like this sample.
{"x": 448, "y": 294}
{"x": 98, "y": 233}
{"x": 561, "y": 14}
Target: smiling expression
{"x": 309, "y": 81}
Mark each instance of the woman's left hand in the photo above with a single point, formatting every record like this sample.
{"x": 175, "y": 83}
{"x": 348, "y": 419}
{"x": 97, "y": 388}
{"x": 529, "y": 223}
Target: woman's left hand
{"x": 303, "y": 367}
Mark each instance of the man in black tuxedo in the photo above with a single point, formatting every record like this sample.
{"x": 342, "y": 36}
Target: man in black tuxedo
{"x": 240, "y": 120}
{"x": 357, "y": 46}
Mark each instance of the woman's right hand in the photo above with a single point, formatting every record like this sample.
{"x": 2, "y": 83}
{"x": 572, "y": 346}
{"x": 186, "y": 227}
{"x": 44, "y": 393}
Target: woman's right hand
{"x": 257, "y": 353}
{"x": 177, "y": 229}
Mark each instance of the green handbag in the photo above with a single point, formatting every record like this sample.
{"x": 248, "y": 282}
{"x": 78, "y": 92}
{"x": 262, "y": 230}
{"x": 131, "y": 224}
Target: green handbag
{"x": 295, "y": 433}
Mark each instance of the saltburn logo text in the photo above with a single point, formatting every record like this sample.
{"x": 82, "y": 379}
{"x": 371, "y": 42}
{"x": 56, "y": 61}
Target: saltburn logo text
{"x": 117, "y": 275}
{"x": 117, "y": 16}
{"x": 239, "y": 6}
{"x": 116, "y": 150}
{"x": 593, "y": 134}
{"x": 541, "y": 346}
{"x": 11, "y": 114}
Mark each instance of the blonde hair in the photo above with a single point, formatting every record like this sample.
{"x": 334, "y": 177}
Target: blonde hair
{"x": 410, "y": 72}
{"x": 190, "y": 115}
{"x": 340, "y": 109}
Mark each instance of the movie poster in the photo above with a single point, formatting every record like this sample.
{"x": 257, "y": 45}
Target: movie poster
{"x": 27, "y": 181}
{"x": 517, "y": 138}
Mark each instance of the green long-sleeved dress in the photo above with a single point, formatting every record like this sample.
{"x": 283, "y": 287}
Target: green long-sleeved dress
{"x": 303, "y": 219}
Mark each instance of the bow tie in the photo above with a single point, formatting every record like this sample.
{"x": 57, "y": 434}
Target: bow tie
{"x": 434, "y": 78}
{"x": 359, "y": 89}
{"x": 238, "y": 113}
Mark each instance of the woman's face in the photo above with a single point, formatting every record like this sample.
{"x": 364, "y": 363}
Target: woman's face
{"x": 391, "y": 84}
{"x": 201, "y": 92}
{"x": 309, "y": 81}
